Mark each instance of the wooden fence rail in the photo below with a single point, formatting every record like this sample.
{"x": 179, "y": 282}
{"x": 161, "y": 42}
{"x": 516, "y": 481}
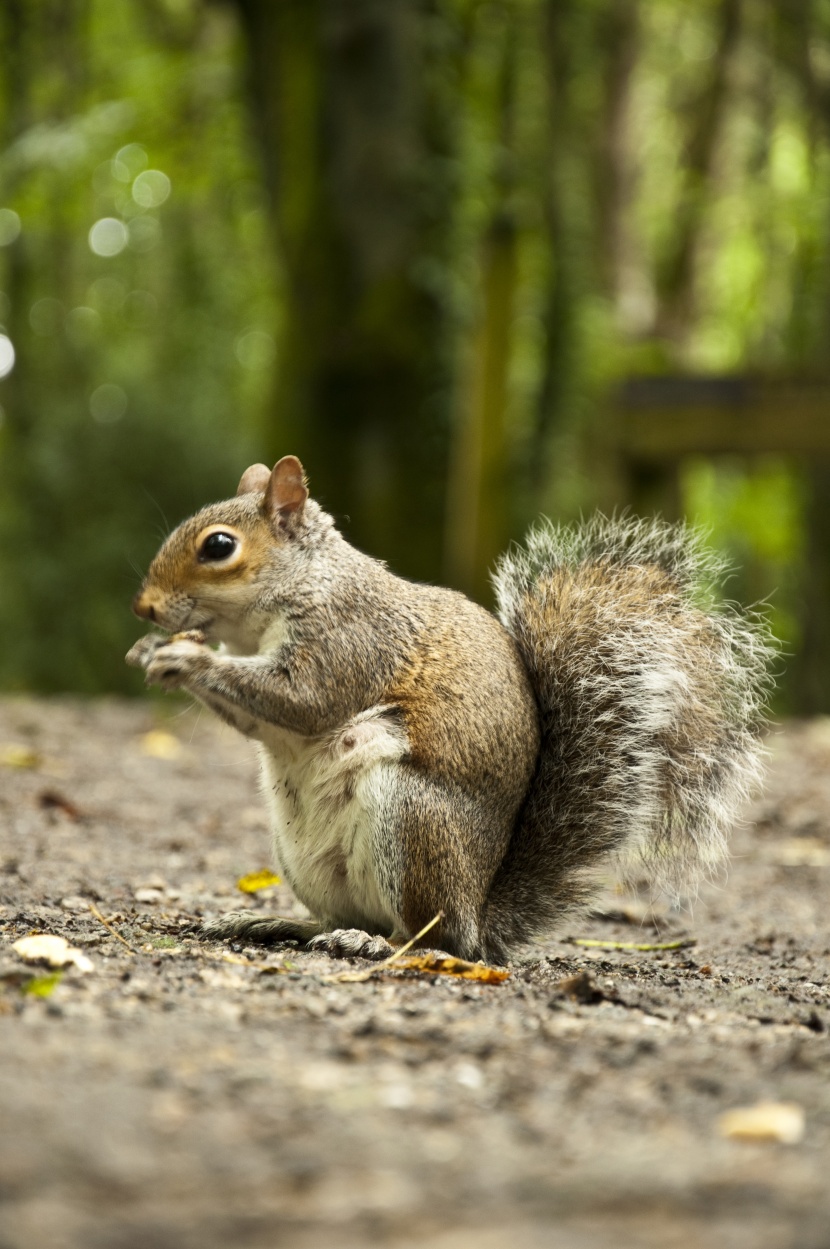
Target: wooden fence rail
{"x": 657, "y": 422}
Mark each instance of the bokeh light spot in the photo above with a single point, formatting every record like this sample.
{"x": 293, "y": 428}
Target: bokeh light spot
{"x": 255, "y": 349}
{"x": 9, "y": 226}
{"x": 108, "y": 403}
{"x": 6, "y": 355}
{"x": 108, "y": 237}
{"x": 151, "y": 188}
{"x": 132, "y": 158}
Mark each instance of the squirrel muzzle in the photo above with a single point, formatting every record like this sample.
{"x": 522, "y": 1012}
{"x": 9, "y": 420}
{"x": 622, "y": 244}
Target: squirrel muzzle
{"x": 143, "y": 606}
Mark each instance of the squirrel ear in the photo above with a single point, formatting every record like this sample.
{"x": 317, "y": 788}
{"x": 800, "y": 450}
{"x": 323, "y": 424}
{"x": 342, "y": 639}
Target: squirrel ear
{"x": 255, "y": 478}
{"x": 286, "y": 492}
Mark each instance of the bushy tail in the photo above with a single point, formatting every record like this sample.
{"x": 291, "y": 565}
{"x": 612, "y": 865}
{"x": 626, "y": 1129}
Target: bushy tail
{"x": 651, "y": 695}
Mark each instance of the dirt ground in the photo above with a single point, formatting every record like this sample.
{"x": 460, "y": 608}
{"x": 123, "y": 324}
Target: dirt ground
{"x": 184, "y": 1094}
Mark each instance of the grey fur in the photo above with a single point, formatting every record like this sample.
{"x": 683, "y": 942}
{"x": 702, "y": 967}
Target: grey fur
{"x": 651, "y": 696}
{"x": 400, "y": 723}
{"x": 260, "y": 929}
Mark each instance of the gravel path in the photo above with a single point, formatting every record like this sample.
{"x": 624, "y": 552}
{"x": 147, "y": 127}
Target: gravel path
{"x": 186, "y": 1094}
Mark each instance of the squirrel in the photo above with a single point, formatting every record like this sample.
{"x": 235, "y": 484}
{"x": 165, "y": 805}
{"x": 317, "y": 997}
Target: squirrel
{"x": 420, "y": 755}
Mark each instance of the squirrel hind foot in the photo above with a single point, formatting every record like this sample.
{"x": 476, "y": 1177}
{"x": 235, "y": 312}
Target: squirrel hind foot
{"x": 259, "y": 929}
{"x": 351, "y": 943}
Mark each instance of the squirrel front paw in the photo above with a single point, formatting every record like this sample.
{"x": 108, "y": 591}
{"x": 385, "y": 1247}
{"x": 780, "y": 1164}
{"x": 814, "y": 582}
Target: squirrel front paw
{"x": 140, "y": 655}
{"x": 177, "y": 661}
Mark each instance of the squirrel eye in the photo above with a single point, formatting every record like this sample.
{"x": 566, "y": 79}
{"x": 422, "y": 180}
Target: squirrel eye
{"x": 217, "y": 546}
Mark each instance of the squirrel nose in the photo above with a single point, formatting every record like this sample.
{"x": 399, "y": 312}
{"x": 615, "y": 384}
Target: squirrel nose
{"x": 142, "y": 608}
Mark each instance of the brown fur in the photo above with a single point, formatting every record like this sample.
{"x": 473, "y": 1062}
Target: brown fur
{"x": 613, "y": 706}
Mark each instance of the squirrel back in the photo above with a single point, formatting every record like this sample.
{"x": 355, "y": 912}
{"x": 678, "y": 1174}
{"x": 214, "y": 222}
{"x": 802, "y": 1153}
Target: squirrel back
{"x": 651, "y": 696}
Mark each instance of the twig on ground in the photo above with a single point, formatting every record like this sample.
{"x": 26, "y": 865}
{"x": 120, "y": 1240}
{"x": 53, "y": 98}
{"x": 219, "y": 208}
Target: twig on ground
{"x": 94, "y": 911}
{"x": 632, "y": 945}
{"x": 355, "y": 977}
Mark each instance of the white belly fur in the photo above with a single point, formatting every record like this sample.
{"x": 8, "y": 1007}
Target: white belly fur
{"x": 326, "y": 797}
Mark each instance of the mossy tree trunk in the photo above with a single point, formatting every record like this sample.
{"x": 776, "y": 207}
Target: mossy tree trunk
{"x": 478, "y": 512}
{"x": 349, "y": 108}
{"x": 707, "y": 113}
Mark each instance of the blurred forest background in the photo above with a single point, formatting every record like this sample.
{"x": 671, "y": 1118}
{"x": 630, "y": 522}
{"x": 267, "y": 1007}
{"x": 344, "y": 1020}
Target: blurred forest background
{"x": 422, "y": 244}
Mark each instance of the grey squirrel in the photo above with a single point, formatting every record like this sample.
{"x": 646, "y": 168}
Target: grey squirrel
{"x": 422, "y": 756}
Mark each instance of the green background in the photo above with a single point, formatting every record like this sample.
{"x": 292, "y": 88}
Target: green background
{"x": 418, "y": 243}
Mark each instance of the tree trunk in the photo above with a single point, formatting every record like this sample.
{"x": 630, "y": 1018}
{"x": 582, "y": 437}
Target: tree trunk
{"x": 619, "y": 46}
{"x": 562, "y": 284}
{"x": 811, "y": 669}
{"x": 801, "y": 26}
{"x": 347, "y": 104}
{"x": 478, "y": 520}
{"x": 677, "y": 271}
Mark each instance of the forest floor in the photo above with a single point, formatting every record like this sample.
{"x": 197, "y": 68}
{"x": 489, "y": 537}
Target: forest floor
{"x": 180, "y": 1094}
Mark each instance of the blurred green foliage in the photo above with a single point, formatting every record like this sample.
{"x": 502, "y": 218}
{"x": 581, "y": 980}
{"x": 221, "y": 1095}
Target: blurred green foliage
{"x": 417, "y": 243}
{"x": 757, "y": 519}
{"x": 138, "y": 390}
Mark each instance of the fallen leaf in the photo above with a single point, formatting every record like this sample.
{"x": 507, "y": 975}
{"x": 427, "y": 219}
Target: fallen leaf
{"x": 444, "y": 965}
{"x": 767, "y": 1121}
{"x": 12, "y": 755}
{"x": 56, "y": 951}
{"x": 42, "y": 986}
{"x": 590, "y": 943}
{"x": 254, "y": 881}
{"x": 159, "y": 744}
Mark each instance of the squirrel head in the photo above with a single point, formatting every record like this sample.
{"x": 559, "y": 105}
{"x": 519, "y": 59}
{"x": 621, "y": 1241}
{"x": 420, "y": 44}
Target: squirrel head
{"x": 215, "y": 568}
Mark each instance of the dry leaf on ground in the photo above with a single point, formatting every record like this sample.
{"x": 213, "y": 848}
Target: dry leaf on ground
{"x": 767, "y": 1121}
{"x": 56, "y": 951}
{"x": 443, "y": 965}
{"x": 13, "y": 755}
{"x": 252, "y": 882}
{"x": 42, "y": 986}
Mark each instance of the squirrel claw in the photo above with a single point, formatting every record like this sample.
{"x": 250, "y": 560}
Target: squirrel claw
{"x": 351, "y": 943}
